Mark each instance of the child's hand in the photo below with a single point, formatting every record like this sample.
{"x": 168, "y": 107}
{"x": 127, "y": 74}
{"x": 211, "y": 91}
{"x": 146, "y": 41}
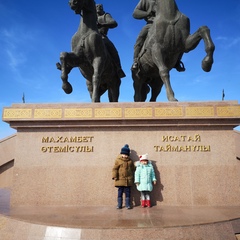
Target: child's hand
{"x": 154, "y": 182}
{"x": 137, "y": 184}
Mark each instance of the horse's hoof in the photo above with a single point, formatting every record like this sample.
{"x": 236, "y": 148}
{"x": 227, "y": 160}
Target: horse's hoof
{"x": 173, "y": 99}
{"x": 206, "y": 67}
{"x": 67, "y": 87}
{"x": 207, "y": 64}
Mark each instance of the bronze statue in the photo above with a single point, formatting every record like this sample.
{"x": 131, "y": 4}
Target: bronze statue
{"x": 167, "y": 39}
{"x": 146, "y": 9}
{"x": 90, "y": 54}
{"x": 105, "y": 22}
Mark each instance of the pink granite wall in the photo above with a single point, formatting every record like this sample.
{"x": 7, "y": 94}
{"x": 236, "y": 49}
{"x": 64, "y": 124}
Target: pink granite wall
{"x": 208, "y": 175}
{"x": 64, "y": 153}
{"x": 7, "y": 149}
{"x": 7, "y": 156}
{"x": 237, "y": 143}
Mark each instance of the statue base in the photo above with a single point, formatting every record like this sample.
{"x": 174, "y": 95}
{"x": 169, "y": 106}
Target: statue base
{"x": 64, "y": 154}
{"x": 108, "y": 223}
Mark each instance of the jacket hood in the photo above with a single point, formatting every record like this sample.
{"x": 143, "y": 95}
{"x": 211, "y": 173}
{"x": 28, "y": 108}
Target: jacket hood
{"x": 137, "y": 163}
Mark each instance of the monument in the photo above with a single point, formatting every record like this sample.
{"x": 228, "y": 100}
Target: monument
{"x": 59, "y": 163}
{"x": 93, "y": 53}
{"x": 166, "y": 38}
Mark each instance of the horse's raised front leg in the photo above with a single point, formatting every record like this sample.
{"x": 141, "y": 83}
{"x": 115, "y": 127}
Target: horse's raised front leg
{"x": 65, "y": 70}
{"x": 193, "y": 40}
{"x": 209, "y": 48}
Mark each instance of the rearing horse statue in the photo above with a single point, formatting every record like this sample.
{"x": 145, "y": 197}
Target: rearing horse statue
{"x": 168, "y": 39}
{"x": 91, "y": 56}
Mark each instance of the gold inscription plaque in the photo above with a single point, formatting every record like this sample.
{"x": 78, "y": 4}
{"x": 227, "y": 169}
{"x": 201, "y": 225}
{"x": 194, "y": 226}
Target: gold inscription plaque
{"x": 67, "y": 144}
{"x": 194, "y": 146}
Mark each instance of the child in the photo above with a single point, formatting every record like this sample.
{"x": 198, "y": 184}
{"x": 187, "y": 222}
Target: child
{"x": 123, "y": 174}
{"x": 144, "y": 177}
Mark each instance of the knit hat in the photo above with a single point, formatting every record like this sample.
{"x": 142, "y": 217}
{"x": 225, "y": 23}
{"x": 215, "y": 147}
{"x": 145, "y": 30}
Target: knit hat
{"x": 125, "y": 150}
{"x": 143, "y": 157}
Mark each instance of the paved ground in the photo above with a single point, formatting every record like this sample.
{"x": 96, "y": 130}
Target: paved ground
{"x": 104, "y": 217}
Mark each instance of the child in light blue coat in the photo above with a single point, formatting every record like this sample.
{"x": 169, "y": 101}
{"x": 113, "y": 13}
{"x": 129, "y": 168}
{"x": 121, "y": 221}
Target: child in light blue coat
{"x": 144, "y": 179}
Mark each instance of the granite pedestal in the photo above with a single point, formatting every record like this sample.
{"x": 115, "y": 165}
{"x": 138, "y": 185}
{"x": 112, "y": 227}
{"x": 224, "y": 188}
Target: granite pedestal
{"x": 64, "y": 154}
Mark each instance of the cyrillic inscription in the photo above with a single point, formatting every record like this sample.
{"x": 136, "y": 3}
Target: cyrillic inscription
{"x": 171, "y": 139}
{"x": 67, "y": 144}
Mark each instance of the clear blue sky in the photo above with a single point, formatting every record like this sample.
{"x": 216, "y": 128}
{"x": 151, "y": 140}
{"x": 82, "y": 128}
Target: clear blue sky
{"x": 33, "y": 33}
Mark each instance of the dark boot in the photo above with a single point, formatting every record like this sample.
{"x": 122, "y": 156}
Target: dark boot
{"x": 119, "y": 206}
{"x": 127, "y": 203}
{"x": 180, "y": 66}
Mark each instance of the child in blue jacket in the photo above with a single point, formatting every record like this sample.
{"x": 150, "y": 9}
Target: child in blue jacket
{"x": 144, "y": 179}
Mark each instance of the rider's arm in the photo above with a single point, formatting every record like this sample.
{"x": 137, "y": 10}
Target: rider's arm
{"x": 106, "y": 20}
{"x": 139, "y": 14}
{"x": 143, "y": 9}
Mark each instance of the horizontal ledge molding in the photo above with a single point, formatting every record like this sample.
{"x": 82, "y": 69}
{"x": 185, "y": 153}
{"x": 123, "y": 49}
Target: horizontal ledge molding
{"x": 122, "y": 111}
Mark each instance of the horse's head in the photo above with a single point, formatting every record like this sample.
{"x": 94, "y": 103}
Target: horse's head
{"x": 76, "y": 5}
